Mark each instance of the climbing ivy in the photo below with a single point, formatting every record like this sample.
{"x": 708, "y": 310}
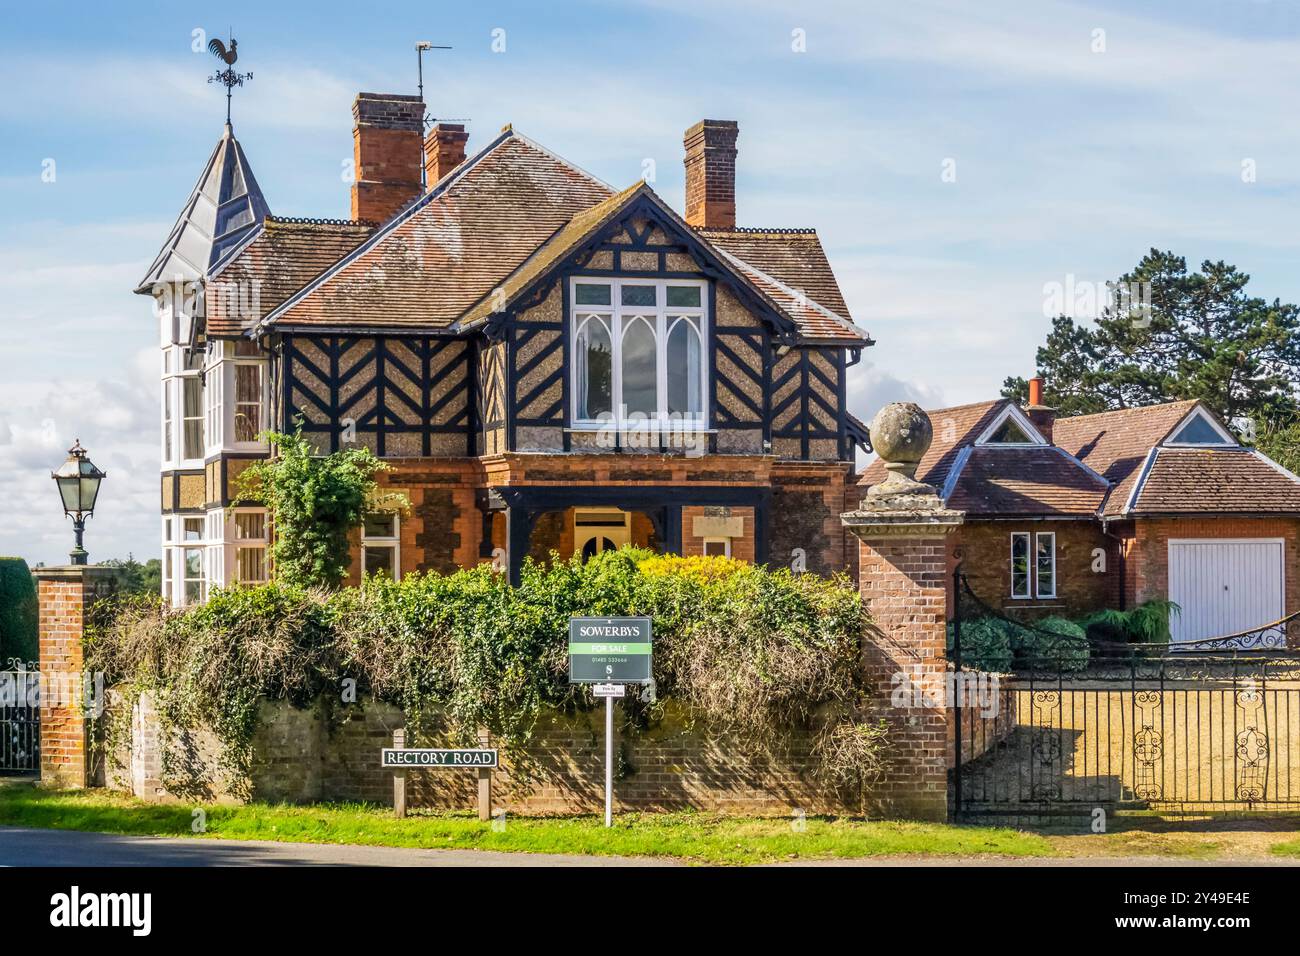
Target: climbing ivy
{"x": 769, "y": 658}
{"x": 313, "y": 501}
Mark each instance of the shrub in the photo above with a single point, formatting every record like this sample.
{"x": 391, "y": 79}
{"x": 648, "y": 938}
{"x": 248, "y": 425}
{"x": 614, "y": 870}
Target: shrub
{"x": 313, "y": 501}
{"x": 760, "y": 655}
{"x": 1148, "y": 623}
{"x": 1054, "y": 642}
{"x": 18, "y": 615}
{"x": 986, "y": 643}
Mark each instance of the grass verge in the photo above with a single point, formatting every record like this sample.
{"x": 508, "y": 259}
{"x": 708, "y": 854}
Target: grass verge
{"x": 692, "y": 837}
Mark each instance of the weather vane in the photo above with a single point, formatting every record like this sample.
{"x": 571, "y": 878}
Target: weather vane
{"x": 227, "y": 77}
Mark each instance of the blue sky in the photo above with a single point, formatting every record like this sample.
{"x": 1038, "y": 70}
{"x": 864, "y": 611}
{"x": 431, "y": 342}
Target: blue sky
{"x": 1070, "y": 160}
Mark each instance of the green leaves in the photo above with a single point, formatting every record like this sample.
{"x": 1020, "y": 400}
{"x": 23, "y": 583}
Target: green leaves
{"x": 764, "y": 656}
{"x": 314, "y": 502}
{"x": 1205, "y": 337}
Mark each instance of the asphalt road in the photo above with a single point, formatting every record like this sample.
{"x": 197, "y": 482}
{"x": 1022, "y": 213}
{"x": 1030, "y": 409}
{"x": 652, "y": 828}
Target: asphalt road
{"x": 23, "y": 847}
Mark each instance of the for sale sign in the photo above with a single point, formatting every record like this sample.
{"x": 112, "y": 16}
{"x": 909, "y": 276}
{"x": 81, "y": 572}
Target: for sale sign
{"x": 609, "y": 650}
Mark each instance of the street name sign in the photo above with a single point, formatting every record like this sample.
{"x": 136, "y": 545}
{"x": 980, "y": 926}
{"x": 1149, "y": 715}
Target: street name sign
{"x": 608, "y": 650}
{"x": 453, "y": 759}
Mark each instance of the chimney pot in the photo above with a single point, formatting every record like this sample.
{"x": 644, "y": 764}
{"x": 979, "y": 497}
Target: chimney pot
{"x": 444, "y": 150}
{"x": 711, "y": 174}
{"x": 1042, "y": 416}
{"x": 387, "y": 137}
{"x": 1036, "y": 390}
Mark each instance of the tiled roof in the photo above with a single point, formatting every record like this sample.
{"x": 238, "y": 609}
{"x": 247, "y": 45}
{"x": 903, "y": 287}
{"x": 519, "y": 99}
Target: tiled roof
{"x": 497, "y": 223}
{"x": 1025, "y": 481}
{"x": 793, "y": 257}
{"x": 953, "y": 428}
{"x": 1216, "y": 481}
{"x": 450, "y": 248}
{"x": 814, "y": 321}
{"x": 283, "y": 256}
{"x": 1117, "y": 443}
{"x": 225, "y": 205}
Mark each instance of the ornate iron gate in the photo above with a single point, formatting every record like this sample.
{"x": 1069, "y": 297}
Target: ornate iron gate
{"x": 20, "y": 727}
{"x": 1209, "y": 727}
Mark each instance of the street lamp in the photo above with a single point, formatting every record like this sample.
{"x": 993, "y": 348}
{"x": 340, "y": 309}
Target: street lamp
{"x": 78, "y": 480}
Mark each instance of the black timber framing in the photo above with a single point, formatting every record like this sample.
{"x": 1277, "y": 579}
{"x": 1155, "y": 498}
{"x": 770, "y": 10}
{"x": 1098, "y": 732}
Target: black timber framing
{"x": 662, "y": 504}
{"x": 804, "y": 426}
{"x": 390, "y": 372}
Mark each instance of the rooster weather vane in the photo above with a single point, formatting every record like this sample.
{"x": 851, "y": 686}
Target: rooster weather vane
{"x": 227, "y": 77}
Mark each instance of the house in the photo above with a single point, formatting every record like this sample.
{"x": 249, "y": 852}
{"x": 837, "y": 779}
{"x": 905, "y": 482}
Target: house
{"x": 546, "y": 362}
{"x": 1071, "y": 515}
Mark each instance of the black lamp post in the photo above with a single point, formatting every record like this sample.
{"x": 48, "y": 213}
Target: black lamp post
{"x": 78, "y": 480}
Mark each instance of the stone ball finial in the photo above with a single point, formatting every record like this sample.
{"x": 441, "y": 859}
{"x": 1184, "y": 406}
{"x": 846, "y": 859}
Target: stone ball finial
{"x": 901, "y": 434}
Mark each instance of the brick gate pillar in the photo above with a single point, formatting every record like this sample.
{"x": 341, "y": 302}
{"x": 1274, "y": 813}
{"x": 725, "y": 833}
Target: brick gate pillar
{"x": 65, "y": 595}
{"x": 902, "y": 528}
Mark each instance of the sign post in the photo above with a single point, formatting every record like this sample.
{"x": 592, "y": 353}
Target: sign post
{"x": 610, "y": 652}
{"x": 399, "y": 758}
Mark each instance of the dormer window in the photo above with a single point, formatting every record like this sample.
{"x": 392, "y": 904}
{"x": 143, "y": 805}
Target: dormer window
{"x": 1009, "y": 434}
{"x": 1200, "y": 430}
{"x": 638, "y": 353}
{"x": 1010, "y": 427}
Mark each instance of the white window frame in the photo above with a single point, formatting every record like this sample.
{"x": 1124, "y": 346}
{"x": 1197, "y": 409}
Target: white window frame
{"x": 238, "y": 543}
{"x": 214, "y": 387}
{"x": 392, "y": 542}
{"x": 168, "y": 409}
{"x": 183, "y": 547}
{"x": 725, "y": 542}
{"x": 616, "y": 313}
{"x": 179, "y": 375}
{"x": 1029, "y": 565}
{"x": 260, "y": 364}
{"x": 1021, "y": 420}
{"x": 168, "y": 559}
{"x": 1038, "y": 587}
{"x": 1225, "y": 440}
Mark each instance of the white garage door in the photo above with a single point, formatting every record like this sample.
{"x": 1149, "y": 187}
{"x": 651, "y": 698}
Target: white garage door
{"x": 1225, "y": 586}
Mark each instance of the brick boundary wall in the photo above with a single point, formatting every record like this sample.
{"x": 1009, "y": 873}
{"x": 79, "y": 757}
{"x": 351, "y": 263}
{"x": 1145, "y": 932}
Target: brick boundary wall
{"x": 65, "y": 594}
{"x": 901, "y": 579}
{"x": 331, "y": 752}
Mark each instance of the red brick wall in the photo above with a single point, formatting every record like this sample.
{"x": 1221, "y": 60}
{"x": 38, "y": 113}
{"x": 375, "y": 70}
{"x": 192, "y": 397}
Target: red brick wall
{"x": 65, "y": 594}
{"x": 901, "y": 580}
{"x": 742, "y": 548}
{"x": 985, "y": 551}
{"x": 1149, "y": 560}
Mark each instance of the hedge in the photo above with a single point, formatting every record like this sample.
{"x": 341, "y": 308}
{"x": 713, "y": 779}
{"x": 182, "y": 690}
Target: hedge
{"x": 763, "y": 656}
{"x": 18, "y": 615}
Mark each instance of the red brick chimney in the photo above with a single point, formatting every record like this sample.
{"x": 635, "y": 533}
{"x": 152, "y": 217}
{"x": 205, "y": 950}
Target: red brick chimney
{"x": 1042, "y": 416}
{"x": 444, "y": 150}
{"x": 711, "y": 174}
{"x": 387, "y": 139}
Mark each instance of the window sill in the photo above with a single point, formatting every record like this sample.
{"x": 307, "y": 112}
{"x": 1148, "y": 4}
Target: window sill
{"x": 642, "y": 429}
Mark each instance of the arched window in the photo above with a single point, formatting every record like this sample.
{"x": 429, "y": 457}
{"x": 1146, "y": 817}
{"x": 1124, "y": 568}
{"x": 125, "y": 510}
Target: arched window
{"x": 640, "y": 368}
{"x": 593, "y": 369}
{"x": 685, "y": 382}
{"x": 638, "y": 353}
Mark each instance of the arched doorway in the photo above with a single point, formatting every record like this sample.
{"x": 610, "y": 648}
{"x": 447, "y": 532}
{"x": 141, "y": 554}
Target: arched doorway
{"x": 600, "y": 529}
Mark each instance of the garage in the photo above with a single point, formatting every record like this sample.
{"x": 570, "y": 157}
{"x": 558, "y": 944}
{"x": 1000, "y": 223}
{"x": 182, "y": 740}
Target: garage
{"x": 1225, "y": 585}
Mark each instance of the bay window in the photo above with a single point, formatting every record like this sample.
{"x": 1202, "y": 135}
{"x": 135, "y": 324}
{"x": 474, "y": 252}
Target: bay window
{"x": 193, "y": 582}
{"x": 251, "y": 541}
{"x": 638, "y": 352}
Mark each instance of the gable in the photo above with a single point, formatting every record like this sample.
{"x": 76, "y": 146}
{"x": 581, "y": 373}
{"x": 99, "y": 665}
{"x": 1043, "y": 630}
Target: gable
{"x": 1010, "y": 427}
{"x": 635, "y": 231}
{"x": 1199, "y": 428}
